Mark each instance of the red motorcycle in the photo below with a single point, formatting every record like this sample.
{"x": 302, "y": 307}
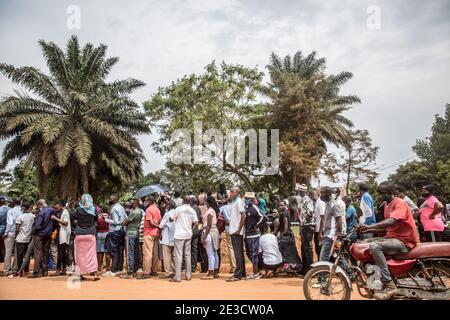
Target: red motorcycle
{"x": 423, "y": 273}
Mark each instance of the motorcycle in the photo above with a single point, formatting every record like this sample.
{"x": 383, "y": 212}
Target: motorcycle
{"x": 423, "y": 273}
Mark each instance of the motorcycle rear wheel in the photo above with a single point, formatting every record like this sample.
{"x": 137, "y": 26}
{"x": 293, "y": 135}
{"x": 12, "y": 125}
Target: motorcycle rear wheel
{"x": 313, "y": 290}
{"x": 440, "y": 269}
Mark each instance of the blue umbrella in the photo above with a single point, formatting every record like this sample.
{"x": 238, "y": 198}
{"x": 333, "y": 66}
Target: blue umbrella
{"x": 7, "y": 198}
{"x": 145, "y": 191}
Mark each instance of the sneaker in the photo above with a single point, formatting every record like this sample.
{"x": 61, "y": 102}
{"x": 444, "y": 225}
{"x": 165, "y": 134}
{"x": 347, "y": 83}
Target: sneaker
{"x": 109, "y": 274}
{"x": 253, "y": 276}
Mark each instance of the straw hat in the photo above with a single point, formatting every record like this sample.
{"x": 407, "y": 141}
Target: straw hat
{"x": 250, "y": 195}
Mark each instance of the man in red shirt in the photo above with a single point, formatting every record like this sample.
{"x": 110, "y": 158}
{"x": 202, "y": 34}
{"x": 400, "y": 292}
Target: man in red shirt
{"x": 401, "y": 235}
{"x": 151, "y": 238}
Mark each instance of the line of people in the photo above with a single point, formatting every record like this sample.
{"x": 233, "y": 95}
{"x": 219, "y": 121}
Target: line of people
{"x": 176, "y": 233}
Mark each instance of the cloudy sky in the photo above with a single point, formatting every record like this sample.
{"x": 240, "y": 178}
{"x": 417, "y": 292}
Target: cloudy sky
{"x": 401, "y": 69}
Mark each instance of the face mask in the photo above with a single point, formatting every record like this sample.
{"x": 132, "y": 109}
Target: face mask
{"x": 333, "y": 196}
{"x": 425, "y": 194}
{"x": 386, "y": 196}
{"x": 248, "y": 202}
{"x": 111, "y": 202}
{"x": 324, "y": 199}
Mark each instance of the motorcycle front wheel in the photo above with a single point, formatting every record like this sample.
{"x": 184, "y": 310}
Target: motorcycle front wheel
{"x": 315, "y": 285}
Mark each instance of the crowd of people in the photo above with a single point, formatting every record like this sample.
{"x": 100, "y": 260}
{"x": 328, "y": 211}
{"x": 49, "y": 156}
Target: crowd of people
{"x": 167, "y": 235}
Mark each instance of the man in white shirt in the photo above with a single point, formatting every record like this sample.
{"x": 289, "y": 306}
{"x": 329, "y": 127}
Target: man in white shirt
{"x": 177, "y": 199}
{"x": 270, "y": 255}
{"x": 185, "y": 220}
{"x": 236, "y": 230}
{"x": 63, "y": 237}
{"x": 167, "y": 241}
{"x": 24, "y": 229}
{"x": 319, "y": 212}
{"x": 341, "y": 206}
{"x": 10, "y": 235}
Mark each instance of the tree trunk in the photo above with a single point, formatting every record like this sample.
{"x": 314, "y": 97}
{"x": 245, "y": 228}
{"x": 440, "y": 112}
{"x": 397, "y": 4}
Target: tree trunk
{"x": 242, "y": 176}
{"x": 349, "y": 169}
{"x": 294, "y": 180}
{"x": 85, "y": 179}
{"x": 42, "y": 182}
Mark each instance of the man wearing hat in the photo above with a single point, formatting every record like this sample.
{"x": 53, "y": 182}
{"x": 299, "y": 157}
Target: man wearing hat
{"x": 253, "y": 219}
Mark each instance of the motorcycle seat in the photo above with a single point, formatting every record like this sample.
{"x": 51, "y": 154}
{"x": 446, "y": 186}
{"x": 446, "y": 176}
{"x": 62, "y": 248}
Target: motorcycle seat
{"x": 427, "y": 250}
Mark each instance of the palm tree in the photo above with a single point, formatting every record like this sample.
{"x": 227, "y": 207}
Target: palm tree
{"x": 302, "y": 92}
{"x": 76, "y": 126}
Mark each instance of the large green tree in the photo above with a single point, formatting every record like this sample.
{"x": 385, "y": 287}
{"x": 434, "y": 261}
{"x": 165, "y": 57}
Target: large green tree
{"x": 433, "y": 165}
{"x": 307, "y": 106}
{"x": 224, "y": 97}
{"x": 359, "y": 158}
{"x": 72, "y": 124}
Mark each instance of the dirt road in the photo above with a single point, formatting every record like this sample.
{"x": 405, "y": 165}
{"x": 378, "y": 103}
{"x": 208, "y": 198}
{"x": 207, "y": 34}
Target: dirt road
{"x": 122, "y": 289}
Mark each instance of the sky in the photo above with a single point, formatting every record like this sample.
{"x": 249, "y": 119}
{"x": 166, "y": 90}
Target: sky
{"x": 398, "y": 51}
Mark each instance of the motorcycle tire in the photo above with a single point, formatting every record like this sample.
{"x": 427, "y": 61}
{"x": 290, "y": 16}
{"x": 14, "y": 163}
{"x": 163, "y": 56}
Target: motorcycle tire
{"x": 326, "y": 270}
{"x": 438, "y": 267}
{"x": 361, "y": 285}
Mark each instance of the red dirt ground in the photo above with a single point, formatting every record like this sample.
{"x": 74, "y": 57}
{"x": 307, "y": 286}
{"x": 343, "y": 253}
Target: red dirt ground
{"x": 62, "y": 288}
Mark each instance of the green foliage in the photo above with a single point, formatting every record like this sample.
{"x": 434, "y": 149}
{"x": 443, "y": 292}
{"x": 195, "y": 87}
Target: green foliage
{"x": 434, "y": 164}
{"x": 307, "y": 107}
{"x": 223, "y": 97}
{"x": 23, "y": 184}
{"x": 359, "y": 158}
{"x": 436, "y": 147}
{"x": 76, "y": 126}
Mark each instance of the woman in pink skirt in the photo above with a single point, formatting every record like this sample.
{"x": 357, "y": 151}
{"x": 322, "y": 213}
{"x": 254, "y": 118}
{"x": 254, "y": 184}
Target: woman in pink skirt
{"x": 85, "y": 242}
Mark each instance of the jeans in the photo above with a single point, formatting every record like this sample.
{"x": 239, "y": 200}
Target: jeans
{"x": 10, "y": 255}
{"x": 325, "y": 252}
{"x": 252, "y": 249}
{"x": 26, "y": 259}
{"x": 194, "y": 253}
{"x": 182, "y": 249}
{"x": 21, "y": 249}
{"x": 62, "y": 256}
{"x": 381, "y": 246}
{"x": 317, "y": 244}
{"x": 238, "y": 248}
{"x": 134, "y": 254}
{"x": 41, "y": 246}
{"x": 307, "y": 234}
{"x": 213, "y": 257}
{"x": 116, "y": 245}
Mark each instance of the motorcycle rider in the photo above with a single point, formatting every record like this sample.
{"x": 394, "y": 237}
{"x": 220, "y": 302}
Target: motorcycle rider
{"x": 401, "y": 235}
